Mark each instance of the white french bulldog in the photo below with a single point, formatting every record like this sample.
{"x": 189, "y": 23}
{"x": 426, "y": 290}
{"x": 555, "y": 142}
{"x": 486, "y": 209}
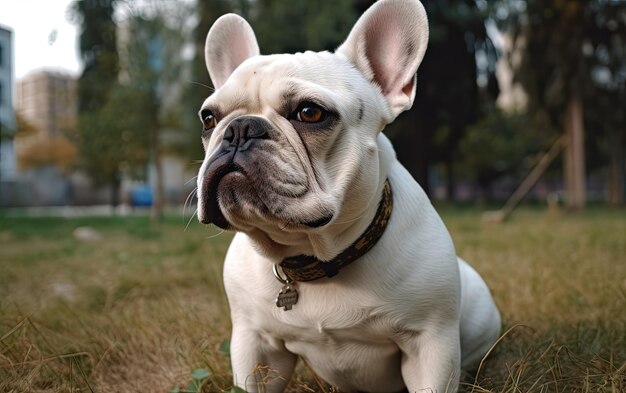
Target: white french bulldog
{"x": 339, "y": 256}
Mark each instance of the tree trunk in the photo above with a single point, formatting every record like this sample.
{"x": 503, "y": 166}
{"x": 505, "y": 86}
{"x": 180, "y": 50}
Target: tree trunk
{"x": 616, "y": 170}
{"x": 115, "y": 190}
{"x": 156, "y": 213}
{"x": 574, "y": 155}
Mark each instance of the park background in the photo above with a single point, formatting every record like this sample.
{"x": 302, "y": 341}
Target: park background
{"x": 108, "y": 284}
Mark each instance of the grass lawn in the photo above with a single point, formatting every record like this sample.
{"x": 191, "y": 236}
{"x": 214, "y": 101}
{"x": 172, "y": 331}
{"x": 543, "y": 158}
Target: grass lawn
{"x": 143, "y": 307}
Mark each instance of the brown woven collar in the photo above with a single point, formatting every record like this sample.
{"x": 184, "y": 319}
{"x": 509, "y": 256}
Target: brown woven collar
{"x": 309, "y": 268}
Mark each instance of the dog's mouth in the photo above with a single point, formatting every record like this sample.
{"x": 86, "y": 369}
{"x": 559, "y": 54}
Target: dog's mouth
{"x": 216, "y": 171}
{"x": 319, "y": 222}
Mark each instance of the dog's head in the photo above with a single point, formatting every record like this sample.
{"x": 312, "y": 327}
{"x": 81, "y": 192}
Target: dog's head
{"x": 291, "y": 139}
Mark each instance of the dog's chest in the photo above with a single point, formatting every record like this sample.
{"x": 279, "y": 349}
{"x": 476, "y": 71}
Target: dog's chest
{"x": 343, "y": 336}
{"x": 351, "y": 363}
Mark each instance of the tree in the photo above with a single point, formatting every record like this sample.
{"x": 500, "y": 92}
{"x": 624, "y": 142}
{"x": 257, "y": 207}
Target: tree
{"x": 128, "y": 104}
{"x": 608, "y": 92}
{"x": 118, "y": 137}
{"x": 56, "y": 151}
{"x": 98, "y": 51}
{"x": 503, "y": 144}
{"x": 563, "y": 43}
{"x": 97, "y": 139}
{"x": 41, "y": 150}
{"x": 24, "y": 128}
{"x": 153, "y": 69}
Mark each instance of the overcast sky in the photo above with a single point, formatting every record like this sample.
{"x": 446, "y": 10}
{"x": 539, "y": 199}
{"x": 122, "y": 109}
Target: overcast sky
{"x": 42, "y": 35}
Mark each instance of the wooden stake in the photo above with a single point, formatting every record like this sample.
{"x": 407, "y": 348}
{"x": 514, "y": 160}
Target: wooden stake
{"x": 527, "y": 184}
{"x": 574, "y": 156}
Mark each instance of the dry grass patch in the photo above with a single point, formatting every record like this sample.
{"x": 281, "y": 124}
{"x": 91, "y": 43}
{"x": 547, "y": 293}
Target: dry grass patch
{"x": 144, "y": 307}
{"x": 560, "y": 283}
{"x": 136, "y": 311}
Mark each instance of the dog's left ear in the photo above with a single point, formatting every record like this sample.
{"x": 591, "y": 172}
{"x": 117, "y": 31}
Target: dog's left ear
{"x": 387, "y": 45}
{"x": 230, "y": 41}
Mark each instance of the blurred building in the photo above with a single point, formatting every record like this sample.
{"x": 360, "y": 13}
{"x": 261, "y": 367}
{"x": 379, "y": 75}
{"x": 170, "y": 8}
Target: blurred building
{"x": 47, "y": 101}
{"x": 47, "y": 110}
{"x": 7, "y": 119}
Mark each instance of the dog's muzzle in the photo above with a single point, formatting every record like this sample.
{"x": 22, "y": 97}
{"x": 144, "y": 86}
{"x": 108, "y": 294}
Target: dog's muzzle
{"x": 239, "y": 138}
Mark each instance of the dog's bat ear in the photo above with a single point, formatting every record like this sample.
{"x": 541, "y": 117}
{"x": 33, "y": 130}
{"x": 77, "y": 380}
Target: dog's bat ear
{"x": 230, "y": 41}
{"x": 387, "y": 45}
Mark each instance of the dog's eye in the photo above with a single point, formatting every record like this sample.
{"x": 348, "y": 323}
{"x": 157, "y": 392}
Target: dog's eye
{"x": 208, "y": 119}
{"x": 309, "y": 112}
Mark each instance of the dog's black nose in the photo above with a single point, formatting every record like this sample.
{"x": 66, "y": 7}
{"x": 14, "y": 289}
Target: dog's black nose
{"x": 244, "y": 129}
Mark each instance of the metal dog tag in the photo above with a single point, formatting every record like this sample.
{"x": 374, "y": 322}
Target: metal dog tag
{"x": 287, "y": 297}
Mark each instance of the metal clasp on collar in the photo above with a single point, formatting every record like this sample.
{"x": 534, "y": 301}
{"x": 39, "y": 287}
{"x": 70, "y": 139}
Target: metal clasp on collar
{"x": 280, "y": 278}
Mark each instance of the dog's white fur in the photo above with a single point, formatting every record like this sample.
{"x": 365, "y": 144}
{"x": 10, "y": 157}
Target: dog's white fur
{"x": 407, "y": 313}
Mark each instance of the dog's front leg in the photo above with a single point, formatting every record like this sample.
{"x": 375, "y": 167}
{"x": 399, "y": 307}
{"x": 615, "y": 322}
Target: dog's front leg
{"x": 259, "y": 362}
{"x": 431, "y": 360}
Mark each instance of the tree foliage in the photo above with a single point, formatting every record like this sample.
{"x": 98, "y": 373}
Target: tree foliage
{"x": 99, "y": 133}
{"x": 24, "y": 128}
{"x": 153, "y": 68}
{"x": 98, "y": 51}
{"x": 574, "y": 48}
{"x": 567, "y": 47}
{"x": 118, "y": 136}
{"x": 304, "y": 25}
{"x": 54, "y": 151}
{"x": 120, "y": 117}
{"x": 38, "y": 149}
{"x": 501, "y": 144}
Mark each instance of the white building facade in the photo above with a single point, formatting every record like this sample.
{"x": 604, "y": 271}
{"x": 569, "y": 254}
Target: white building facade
{"x": 8, "y": 169}
{"x": 7, "y": 117}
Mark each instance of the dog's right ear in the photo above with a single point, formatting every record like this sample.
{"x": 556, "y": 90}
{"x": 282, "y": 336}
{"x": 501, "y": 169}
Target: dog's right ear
{"x": 230, "y": 41}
